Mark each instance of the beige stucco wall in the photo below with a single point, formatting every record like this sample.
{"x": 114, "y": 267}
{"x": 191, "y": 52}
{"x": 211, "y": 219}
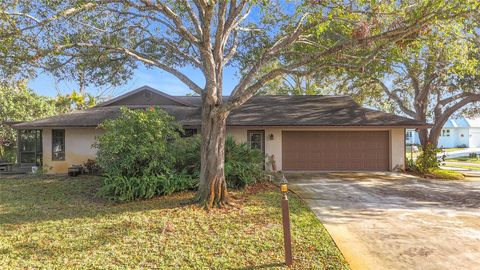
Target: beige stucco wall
{"x": 274, "y": 147}
{"x": 397, "y": 149}
{"x": 78, "y": 148}
{"x": 79, "y": 141}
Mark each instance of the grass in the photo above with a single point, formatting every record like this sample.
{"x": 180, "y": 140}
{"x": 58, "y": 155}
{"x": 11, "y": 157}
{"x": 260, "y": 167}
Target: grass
{"x": 464, "y": 159}
{"x": 462, "y": 166}
{"x": 59, "y": 223}
{"x": 469, "y": 163}
{"x": 445, "y": 174}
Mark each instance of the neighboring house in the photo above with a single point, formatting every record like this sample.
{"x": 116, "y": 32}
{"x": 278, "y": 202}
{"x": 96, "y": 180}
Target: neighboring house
{"x": 457, "y": 132}
{"x": 302, "y": 133}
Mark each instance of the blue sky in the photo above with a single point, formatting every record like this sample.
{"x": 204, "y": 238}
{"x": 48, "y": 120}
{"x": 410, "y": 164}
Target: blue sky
{"x": 45, "y": 84}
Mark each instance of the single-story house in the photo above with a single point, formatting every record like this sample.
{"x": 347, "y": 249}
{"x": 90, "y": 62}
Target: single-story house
{"x": 301, "y": 133}
{"x": 457, "y": 132}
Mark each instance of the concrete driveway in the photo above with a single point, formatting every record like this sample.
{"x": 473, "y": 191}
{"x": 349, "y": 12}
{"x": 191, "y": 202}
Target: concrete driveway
{"x": 396, "y": 221}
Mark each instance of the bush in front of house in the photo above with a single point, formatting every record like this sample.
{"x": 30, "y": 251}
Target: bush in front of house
{"x": 135, "y": 156}
{"x": 124, "y": 188}
{"x": 426, "y": 160}
{"x": 243, "y": 165}
{"x": 428, "y": 164}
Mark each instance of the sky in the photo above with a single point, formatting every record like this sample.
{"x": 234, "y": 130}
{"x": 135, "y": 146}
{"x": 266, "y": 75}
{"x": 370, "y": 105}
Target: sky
{"x": 45, "y": 84}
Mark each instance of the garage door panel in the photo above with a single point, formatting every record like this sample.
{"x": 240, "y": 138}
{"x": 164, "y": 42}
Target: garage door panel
{"x": 335, "y": 150}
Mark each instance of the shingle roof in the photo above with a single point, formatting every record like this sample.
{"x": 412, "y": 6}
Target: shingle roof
{"x": 331, "y": 111}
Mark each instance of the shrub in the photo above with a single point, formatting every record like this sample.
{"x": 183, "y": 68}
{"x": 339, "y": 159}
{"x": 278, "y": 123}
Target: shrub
{"x": 411, "y": 165}
{"x": 135, "y": 144}
{"x": 428, "y": 159}
{"x": 123, "y": 188}
{"x": 186, "y": 153}
{"x": 142, "y": 155}
{"x": 243, "y": 165}
{"x": 136, "y": 156}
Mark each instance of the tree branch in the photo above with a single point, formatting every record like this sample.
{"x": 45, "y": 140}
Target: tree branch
{"x": 144, "y": 59}
{"x": 395, "y": 97}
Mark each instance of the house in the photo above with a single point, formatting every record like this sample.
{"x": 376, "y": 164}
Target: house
{"x": 301, "y": 133}
{"x": 457, "y": 132}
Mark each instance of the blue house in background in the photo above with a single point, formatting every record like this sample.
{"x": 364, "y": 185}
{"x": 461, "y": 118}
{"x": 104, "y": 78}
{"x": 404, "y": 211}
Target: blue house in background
{"x": 457, "y": 132}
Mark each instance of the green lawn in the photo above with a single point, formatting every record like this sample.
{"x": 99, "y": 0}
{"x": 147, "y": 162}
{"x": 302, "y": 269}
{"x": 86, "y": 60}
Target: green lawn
{"x": 463, "y": 166}
{"x": 59, "y": 223}
{"x": 464, "y": 159}
{"x": 446, "y": 174}
{"x": 467, "y": 160}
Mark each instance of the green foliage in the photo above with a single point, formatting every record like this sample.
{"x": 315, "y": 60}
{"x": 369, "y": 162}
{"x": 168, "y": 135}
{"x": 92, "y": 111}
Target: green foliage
{"x": 141, "y": 155}
{"x": 74, "y": 101}
{"x": 19, "y": 103}
{"x": 129, "y": 188}
{"x": 438, "y": 173}
{"x": 243, "y": 165}
{"x": 136, "y": 143}
{"x": 426, "y": 160}
{"x": 186, "y": 154}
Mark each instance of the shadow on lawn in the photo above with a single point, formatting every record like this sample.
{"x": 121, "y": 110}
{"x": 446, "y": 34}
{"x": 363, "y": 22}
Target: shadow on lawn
{"x": 28, "y": 200}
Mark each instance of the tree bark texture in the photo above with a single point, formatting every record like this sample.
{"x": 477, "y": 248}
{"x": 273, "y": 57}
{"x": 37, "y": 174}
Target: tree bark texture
{"x": 212, "y": 190}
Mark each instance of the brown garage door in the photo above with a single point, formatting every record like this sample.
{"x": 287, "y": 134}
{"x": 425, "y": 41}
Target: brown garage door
{"x": 335, "y": 150}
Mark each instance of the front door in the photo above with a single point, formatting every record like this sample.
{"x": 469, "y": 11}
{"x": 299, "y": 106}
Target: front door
{"x": 256, "y": 139}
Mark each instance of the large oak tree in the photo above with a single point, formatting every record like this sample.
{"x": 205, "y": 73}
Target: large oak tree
{"x": 431, "y": 80}
{"x": 108, "y": 39}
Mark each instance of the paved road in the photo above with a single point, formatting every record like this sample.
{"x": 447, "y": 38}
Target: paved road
{"x": 461, "y": 153}
{"x": 395, "y": 221}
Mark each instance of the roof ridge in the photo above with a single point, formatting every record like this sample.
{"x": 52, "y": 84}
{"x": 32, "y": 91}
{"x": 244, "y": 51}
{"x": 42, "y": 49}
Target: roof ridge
{"x": 143, "y": 88}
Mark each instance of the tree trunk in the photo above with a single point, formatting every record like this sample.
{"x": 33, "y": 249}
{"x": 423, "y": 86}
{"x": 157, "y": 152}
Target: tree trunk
{"x": 435, "y": 134}
{"x": 212, "y": 190}
{"x": 423, "y": 136}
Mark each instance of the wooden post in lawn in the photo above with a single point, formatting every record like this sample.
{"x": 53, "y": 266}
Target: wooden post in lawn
{"x": 287, "y": 241}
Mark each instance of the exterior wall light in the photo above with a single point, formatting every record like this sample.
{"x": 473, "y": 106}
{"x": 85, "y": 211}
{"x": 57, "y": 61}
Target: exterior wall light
{"x": 271, "y": 136}
{"x": 283, "y": 185}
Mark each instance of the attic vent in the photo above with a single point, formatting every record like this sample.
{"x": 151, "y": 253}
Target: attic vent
{"x": 147, "y": 95}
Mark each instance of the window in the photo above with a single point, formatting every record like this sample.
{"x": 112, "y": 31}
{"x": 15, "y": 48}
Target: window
{"x": 445, "y": 132}
{"x": 30, "y": 146}
{"x": 409, "y": 135}
{"x": 189, "y": 132}
{"x": 58, "y": 144}
{"x": 256, "y": 139}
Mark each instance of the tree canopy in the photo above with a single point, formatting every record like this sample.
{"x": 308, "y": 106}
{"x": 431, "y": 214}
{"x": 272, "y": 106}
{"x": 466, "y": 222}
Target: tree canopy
{"x": 20, "y": 103}
{"x": 429, "y": 80}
